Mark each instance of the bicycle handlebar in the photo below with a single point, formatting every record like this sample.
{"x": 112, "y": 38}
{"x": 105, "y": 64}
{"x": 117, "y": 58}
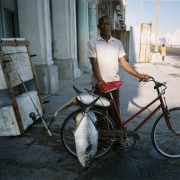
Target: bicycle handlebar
{"x": 150, "y": 77}
{"x": 157, "y": 84}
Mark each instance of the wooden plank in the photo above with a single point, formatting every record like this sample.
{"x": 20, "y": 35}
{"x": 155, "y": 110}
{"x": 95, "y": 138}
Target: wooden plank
{"x": 35, "y": 79}
{"x": 14, "y": 42}
{"x": 8, "y": 50}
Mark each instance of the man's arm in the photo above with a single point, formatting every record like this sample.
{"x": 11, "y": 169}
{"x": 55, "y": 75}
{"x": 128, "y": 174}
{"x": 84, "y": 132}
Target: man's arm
{"x": 96, "y": 71}
{"x": 130, "y": 70}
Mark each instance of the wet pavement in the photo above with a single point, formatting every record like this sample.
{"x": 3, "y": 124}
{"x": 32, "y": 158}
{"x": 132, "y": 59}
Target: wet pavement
{"x": 31, "y": 156}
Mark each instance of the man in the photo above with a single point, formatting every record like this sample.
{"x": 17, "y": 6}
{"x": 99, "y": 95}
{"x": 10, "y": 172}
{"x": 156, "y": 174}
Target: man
{"x": 105, "y": 53}
{"x": 163, "y": 52}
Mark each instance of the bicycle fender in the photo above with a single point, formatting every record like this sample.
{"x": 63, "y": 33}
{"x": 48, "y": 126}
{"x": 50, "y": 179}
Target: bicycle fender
{"x": 85, "y": 98}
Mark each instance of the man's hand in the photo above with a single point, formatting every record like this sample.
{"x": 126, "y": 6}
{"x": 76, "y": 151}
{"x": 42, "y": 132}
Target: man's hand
{"x": 143, "y": 77}
{"x": 101, "y": 82}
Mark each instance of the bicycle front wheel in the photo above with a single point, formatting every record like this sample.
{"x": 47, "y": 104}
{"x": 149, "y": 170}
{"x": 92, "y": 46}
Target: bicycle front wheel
{"x": 166, "y": 140}
{"x": 69, "y": 125}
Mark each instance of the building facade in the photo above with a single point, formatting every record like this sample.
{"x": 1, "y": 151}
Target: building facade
{"x": 58, "y": 31}
{"x": 172, "y": 39}
{"x": 168, "y": 38}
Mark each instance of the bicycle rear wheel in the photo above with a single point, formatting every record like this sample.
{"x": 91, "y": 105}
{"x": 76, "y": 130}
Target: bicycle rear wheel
{"x": 69, "y": 125}
{"x": 165, "y": 141}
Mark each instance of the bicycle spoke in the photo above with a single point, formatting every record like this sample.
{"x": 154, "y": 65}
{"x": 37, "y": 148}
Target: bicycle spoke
{"x": 166, "y": 140}
{"x": 69, "y": 126}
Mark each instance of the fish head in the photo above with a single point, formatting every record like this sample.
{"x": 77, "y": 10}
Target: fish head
{"x": 87, "y": 158}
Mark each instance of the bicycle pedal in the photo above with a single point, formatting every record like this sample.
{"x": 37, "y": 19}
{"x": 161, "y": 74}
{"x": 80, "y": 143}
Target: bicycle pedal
{"x": 133, "y": 134}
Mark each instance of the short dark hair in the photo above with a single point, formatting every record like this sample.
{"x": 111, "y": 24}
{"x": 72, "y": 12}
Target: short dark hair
{"x": 104, "y": 17}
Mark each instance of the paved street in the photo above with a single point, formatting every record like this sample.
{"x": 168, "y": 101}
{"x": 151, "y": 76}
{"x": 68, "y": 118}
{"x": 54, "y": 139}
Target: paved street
{"x": 173, "y": 50}
{"x": 44, "y": 158}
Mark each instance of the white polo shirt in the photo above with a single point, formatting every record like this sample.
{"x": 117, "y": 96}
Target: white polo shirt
{"x": 107, "y": 54}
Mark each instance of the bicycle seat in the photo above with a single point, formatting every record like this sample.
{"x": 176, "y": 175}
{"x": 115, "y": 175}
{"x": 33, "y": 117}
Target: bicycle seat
{"x": 110, "y": 86}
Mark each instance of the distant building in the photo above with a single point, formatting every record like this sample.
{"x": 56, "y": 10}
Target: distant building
{"x": 167, "y": 38}
{"x": 173, "y": 39}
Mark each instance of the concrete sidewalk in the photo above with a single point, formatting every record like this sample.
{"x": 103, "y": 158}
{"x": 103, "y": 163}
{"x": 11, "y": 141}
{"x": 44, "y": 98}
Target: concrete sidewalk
{"x": 47, "y": 159}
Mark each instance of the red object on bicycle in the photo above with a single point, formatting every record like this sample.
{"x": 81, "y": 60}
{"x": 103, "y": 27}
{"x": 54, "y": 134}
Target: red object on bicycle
{"x": 110, "y": 86}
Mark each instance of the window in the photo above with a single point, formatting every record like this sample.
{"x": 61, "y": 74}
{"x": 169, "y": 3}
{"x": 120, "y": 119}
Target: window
{"x": 10, "y": 24}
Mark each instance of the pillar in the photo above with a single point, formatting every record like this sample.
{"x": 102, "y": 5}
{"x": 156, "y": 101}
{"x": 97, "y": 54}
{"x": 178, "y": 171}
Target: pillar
{"x": 83, "y": 33}
{"x": 92, "y": 8}
{"x": 64, "y": 39}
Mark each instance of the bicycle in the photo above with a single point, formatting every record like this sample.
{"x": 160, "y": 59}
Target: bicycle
{"x": 165, "y": 134}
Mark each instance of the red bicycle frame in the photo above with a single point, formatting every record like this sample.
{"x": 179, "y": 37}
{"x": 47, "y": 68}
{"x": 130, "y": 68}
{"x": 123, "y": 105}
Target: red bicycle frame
{"x": 123, "y": 123}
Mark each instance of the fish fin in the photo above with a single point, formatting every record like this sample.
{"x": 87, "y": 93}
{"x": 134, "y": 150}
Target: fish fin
{"x": 77, "y": 90}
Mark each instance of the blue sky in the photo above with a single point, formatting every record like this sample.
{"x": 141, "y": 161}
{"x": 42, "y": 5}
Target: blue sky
{"x": 169, "y": 19}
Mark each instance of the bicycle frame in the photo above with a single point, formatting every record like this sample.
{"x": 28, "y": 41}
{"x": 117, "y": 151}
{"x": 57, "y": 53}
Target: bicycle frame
{"x": 123, "y": 123}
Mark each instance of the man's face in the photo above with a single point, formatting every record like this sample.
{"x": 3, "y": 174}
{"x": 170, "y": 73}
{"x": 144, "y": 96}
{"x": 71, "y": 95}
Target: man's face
{"x": 104, "y": 26}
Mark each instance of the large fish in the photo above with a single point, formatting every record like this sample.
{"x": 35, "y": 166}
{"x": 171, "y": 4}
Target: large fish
{"x": 86, "y": 138}
{"x": 86, "y": 135}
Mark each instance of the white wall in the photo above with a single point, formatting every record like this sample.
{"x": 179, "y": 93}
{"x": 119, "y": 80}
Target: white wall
{"x": 134, "y": 44}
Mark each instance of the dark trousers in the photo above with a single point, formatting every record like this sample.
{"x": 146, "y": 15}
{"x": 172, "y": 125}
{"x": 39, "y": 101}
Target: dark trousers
{"x": 111, "y": 112}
